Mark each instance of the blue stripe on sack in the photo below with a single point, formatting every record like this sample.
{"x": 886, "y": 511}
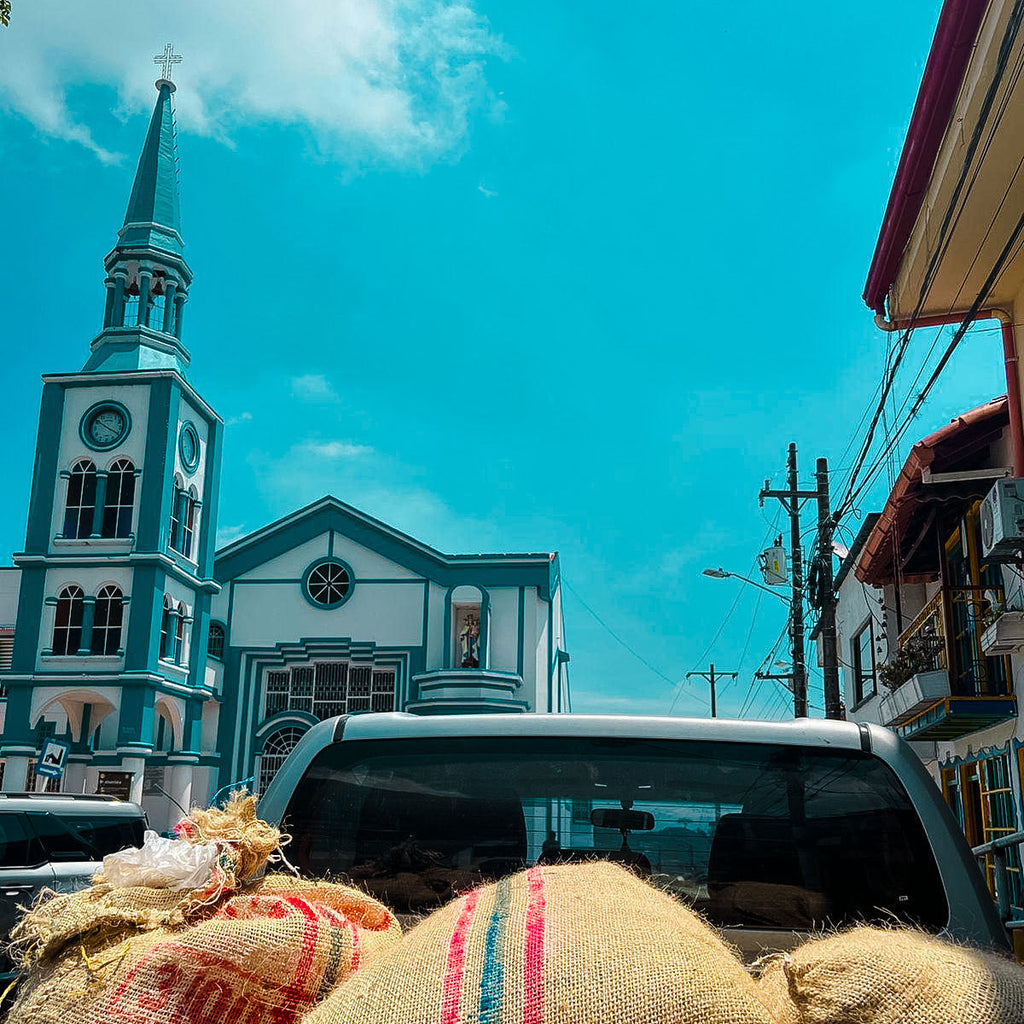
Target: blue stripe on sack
{"x": 493, "y": 977}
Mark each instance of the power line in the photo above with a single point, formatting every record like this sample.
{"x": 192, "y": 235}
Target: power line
{"x": 615, "y": 636}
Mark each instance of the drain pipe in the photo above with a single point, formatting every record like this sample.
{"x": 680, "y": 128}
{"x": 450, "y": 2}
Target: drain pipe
{"x": 1013, "y": 391}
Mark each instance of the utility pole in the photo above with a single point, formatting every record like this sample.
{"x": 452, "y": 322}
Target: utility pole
{"x": 827, "y": 615}
{"x": 790, "y": 499}
{"x": 711, "y": 677}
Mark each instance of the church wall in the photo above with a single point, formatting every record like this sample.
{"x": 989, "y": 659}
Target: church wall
{"x": 540, "y": 701}
{"x": 434, "y": 619}
{"x": 388, "y": 614}
{"x": 503, "y": 632}
{"x": 531, "y": 604}
{"x": 77, "y": 400}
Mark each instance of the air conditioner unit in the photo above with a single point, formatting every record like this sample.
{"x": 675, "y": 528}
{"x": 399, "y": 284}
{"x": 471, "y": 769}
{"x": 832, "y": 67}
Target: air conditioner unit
{"x": 1002, "y": 521}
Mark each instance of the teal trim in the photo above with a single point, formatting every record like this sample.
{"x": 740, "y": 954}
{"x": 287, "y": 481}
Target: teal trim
{"x": 551, "y": 656}
{"x": 27, "y": 627}
{"x": 425, "y": 633}
{"x": 207, "y": 540}
{"x": 136, "y": 723}
{"x": 329, "y": 513}
{"x": 521, "y": 633}
{"x": 152, "y": 219}
{"x": 154, "y": 509}
{"x": 44, "y": 472}
{"x": 101, "y": 501}
{"x": 317, "y": 563}
{"x": 330, "y": 543}
{"x": 186, "y": 434}
{"x": 143, "y": 637}
{"x": 88, "y": 621}
{"x": 107, "y": 405}
{"x": 294, "y": 581}
{"x": 279, "y": 721}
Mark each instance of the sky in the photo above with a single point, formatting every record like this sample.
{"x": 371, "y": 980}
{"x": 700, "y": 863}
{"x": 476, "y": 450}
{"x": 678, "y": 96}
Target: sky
{"x": 509, "y": 276}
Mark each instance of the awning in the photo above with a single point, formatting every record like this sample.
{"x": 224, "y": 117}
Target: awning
{"x": 904, "y": 528}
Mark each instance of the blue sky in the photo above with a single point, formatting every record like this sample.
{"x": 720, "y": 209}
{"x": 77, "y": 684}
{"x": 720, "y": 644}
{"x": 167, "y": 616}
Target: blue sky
{"x": 509, "y": 276}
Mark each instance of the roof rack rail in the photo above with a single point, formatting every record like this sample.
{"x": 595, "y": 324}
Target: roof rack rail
{"x": 61, "y": 796}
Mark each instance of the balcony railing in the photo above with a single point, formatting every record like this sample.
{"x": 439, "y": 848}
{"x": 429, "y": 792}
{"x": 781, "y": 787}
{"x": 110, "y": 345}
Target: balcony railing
{"x": 946, "y": 635}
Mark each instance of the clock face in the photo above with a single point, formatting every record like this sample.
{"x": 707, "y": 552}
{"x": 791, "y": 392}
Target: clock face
{"x": 188, "y": 445}
{"x": 105, "y": 426}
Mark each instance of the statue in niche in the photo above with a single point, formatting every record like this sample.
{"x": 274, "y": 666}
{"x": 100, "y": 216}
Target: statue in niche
{"x": 469, "y": 641}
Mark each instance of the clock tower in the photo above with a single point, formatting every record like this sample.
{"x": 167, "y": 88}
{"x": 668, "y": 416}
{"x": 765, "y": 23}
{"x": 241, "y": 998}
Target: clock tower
{"x": 117, "y": 570}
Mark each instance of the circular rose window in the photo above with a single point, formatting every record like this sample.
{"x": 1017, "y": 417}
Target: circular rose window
{"x": 327, "y": 583}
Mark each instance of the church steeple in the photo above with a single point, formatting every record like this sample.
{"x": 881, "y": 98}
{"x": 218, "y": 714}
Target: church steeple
{"x": 147, "y": 276}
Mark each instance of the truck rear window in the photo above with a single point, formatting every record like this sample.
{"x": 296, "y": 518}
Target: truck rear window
{"x": 751, "y": 835}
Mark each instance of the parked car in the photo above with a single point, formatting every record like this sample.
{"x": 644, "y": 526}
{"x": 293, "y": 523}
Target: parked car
{"x": 771, "y": 830}
{"x": 57, "y": 840}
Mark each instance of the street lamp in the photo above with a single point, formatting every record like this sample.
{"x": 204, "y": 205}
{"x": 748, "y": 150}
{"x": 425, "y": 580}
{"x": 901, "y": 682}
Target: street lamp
{"x": 797, "y": 674}
{"x": 721, "y": 574}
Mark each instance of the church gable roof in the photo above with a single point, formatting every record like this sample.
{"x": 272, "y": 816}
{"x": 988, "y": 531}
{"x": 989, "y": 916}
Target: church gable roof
{"x": 329, "y": 513}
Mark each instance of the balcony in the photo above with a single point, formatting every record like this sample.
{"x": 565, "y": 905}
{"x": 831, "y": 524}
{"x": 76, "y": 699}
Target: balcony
{"x": 466, "y": 691}
{"x": 942, "y": 684}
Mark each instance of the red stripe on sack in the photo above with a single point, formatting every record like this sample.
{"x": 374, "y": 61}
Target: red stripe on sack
{"x": 355, "y": 944}
{"x": 533, "y": 952}
{"x": 455, "y": 966}
{"x": 309, "y": 937}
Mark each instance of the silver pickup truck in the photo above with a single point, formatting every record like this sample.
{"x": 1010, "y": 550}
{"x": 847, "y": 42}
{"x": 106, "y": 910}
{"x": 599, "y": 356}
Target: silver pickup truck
{"x": 771, "y": 830}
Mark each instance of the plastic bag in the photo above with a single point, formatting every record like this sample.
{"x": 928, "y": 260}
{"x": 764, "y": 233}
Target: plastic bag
{"x": 162, "y": 864}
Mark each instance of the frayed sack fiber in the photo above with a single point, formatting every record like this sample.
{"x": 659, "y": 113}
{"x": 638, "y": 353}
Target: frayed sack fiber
{"x": 233, "y": 950}
{"x": 264, "y": 956}
{"x": 892, "y": 976}
{"x": 567, "y": 944}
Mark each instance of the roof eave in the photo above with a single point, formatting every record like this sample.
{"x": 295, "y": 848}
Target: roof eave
{"x": 950, "y": 53}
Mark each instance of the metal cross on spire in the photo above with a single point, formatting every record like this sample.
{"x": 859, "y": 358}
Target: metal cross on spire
{"x": 168, "y": 59}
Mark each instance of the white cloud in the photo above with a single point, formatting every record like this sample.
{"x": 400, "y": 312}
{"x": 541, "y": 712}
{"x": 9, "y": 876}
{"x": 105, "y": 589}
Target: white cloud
{"x": 229, "y": 534}
{"x": 373, "y": 483}
{"x": 335, "y": 449}
{"x": 391, "y": 79}
{"x": 489, "y": 192}
{"x": 313, "y": 387}
{"x": 242, "y": 417}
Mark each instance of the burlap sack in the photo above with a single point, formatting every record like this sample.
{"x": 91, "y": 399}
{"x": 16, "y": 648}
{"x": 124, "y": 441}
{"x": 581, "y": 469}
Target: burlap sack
{"x": 892, "y": 976}
{"x": 566, "y": 944}
{"x": 263, "y": 956}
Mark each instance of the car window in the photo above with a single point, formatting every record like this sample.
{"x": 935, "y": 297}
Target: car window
{"x": 18, "y": 845}
{"x": 70, "y": 837}
{"x": 751, "y": 835}
{"x": 107, "y": 834}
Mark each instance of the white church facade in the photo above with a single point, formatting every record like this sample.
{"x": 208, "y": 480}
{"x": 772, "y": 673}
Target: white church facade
{"x": 174, "y": 670}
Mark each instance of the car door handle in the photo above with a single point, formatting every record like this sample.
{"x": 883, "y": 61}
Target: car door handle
{"x": 15, "y": 890}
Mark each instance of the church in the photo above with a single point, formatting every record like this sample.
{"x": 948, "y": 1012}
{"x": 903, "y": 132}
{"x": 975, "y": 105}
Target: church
{"x": 174, "y": 670}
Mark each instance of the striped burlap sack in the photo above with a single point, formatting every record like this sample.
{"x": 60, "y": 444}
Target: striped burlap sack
{"x": 263, "y": 956}
{"x": 568, "y": 944}
{"x": 892, "y": 976}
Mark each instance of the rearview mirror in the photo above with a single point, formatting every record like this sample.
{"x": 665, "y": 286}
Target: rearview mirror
{"x": 622, "y": 821}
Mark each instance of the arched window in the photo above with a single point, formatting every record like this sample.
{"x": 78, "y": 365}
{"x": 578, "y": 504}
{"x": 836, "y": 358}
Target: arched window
{"x": 275, "y": 750}
{"x": 131, "y": 307}
{"x": 176, "y": 515}
{"x": 179, "y": 635}
{"x": 166, "y": 632}
{"x": 67, "y": 625}
{"x": 156, "y": 312}
{"x": 188, "y": 522}
{"x": 81, "y": 503}
{"x": 120, "y": 502}
{"x": 183, "y": 519}
{"x": 106, "y": 629}
{"x": 215, "y": 641}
